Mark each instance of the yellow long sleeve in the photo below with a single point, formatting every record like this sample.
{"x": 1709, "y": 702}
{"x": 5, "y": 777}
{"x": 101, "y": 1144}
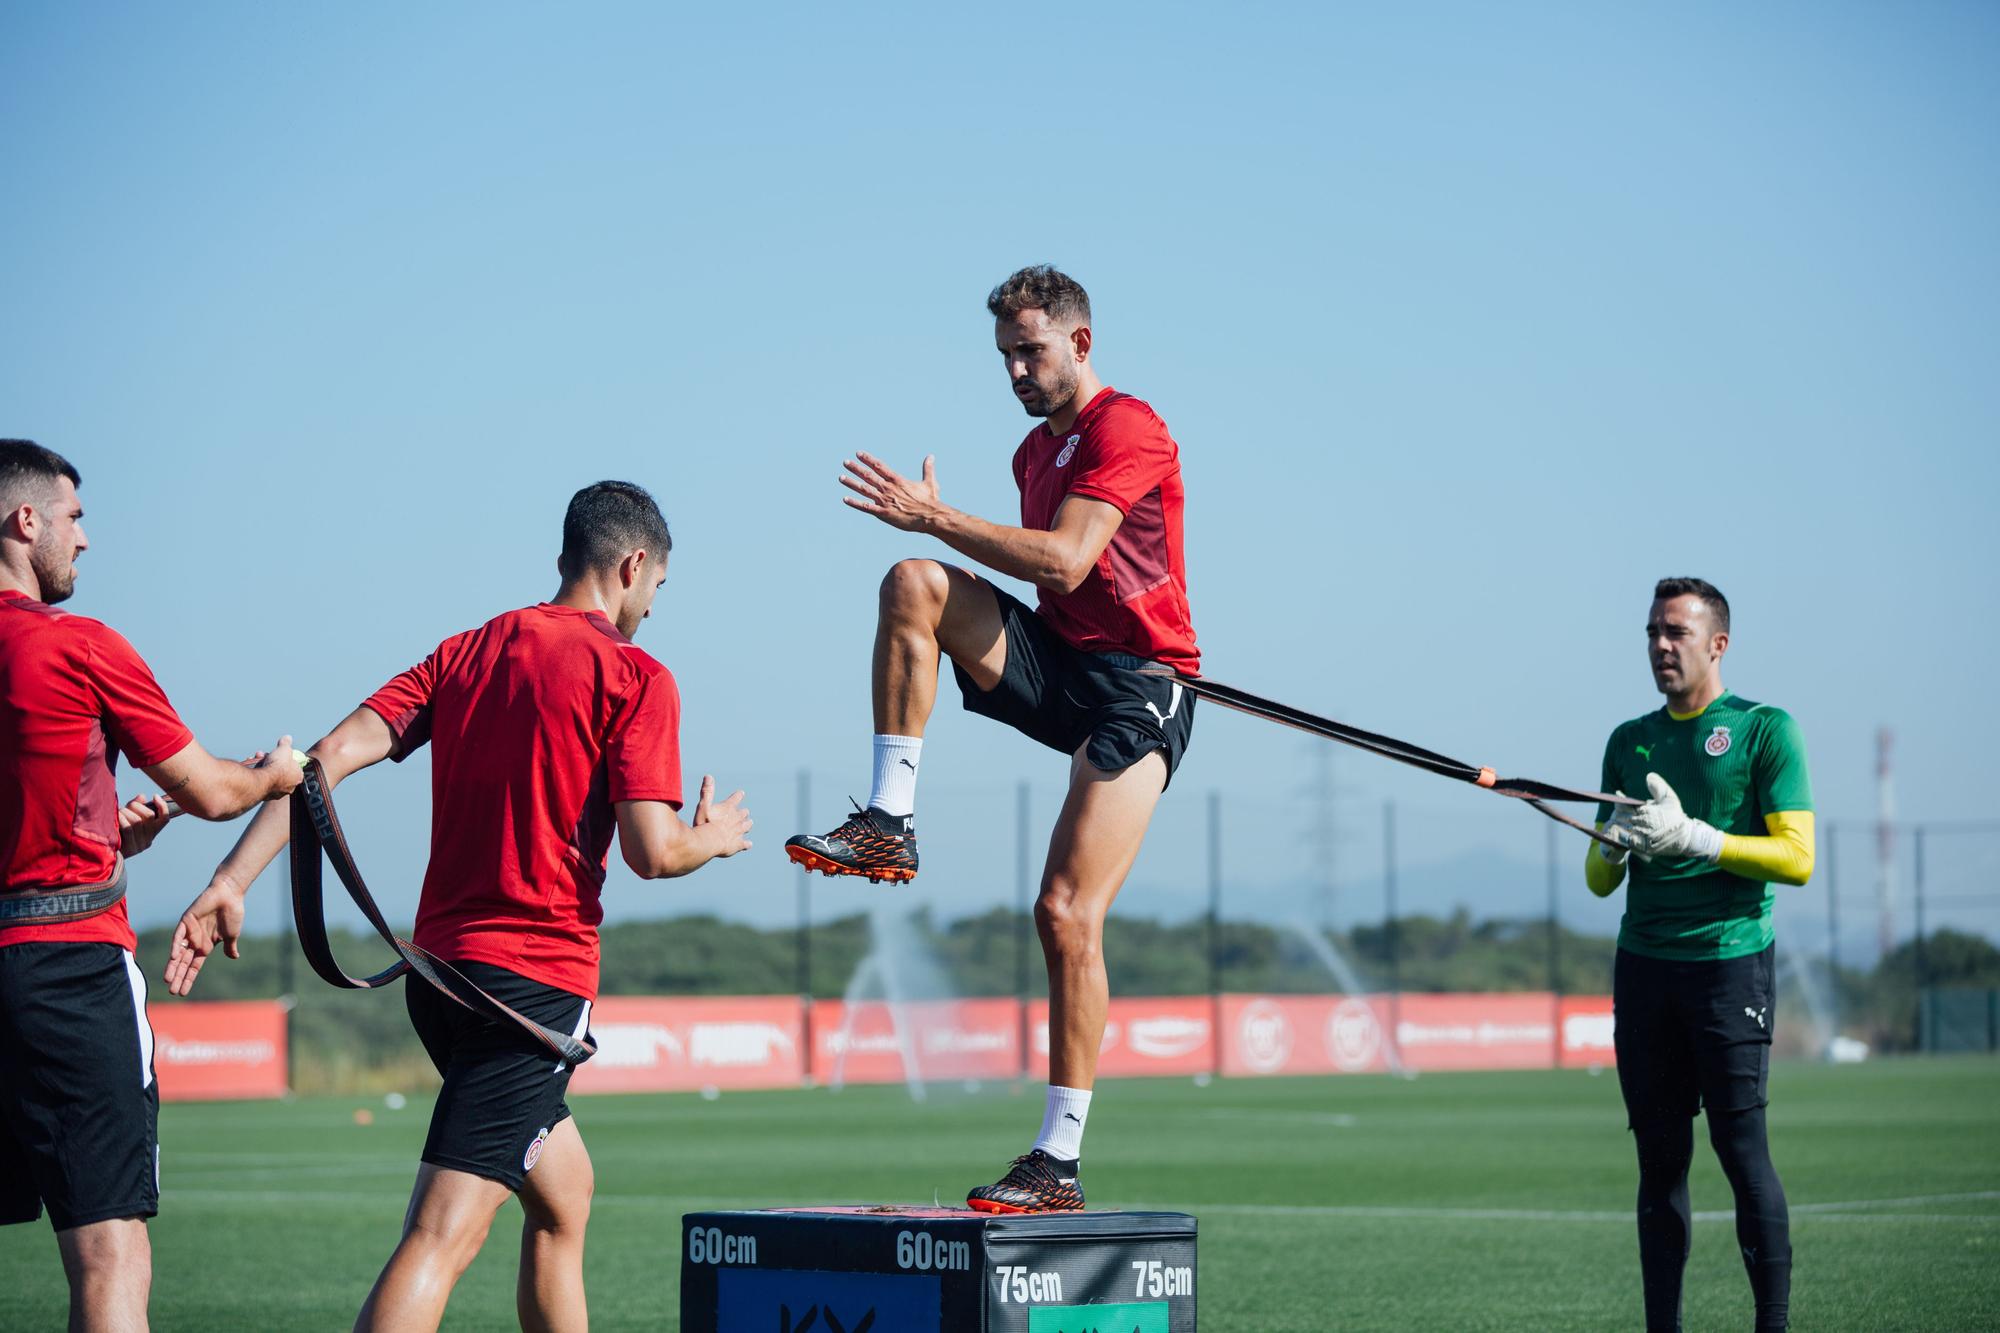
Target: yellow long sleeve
{"x": 1602, "y": 876}
{"x": 1786, "y": 857}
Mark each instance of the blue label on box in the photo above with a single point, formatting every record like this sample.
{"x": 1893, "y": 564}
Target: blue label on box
{"x": 750, "y": 1300}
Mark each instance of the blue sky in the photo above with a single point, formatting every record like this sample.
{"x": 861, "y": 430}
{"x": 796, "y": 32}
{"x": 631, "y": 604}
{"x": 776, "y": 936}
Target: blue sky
{"x": 1470, "y": 321}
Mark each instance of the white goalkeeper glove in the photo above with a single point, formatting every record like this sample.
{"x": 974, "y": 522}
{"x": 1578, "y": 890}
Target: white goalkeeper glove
{"x": 1661, "y": 828}
{"x": 1618, "y": 831}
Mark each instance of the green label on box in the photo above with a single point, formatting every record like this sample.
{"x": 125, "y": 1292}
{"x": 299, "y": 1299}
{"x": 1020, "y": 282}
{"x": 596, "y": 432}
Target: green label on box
{"x": 1149, "y": 1317}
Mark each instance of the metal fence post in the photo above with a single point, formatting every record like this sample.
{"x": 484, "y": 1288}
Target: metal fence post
{"x": 1022, "y": 873}
{"x": 1925, "y": 1033}
{"x": 1394, "y": 934}
{"x": 1833, "y": 927}
{"x": 1555, "y": 955}
{"x": 287, "y": 946}
{"x": 802, "y": 950}
{"x": 1215, "y": 926}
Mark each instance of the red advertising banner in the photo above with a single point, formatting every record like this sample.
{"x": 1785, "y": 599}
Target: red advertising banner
{"x": 1508, "y": 1031}
{"x": 1142, "y": 1038}
{"x": 218, "y": 1049}
{"x": 1334, "y": 1034}
{"x": 1303, "y": 1034}
{"x": 1586, "y": 1031}
{"x": 647, "y": 1044}
{"x": 236, "y": 1049}
{"x": 668, "y": 1045}
{"x": 930, "y": 1039}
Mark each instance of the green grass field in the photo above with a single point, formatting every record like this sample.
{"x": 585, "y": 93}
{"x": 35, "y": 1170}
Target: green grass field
{"x": 1455, "y": 1201}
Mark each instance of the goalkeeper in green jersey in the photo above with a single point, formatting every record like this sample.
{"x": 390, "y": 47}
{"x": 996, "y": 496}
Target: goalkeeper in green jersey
{"x": 1728, "y": 815}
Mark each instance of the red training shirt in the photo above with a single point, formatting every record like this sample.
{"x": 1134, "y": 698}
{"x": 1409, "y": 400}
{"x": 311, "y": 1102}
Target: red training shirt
{"x": 538, "y": 721}
{"x": 1134, "y": 600}
{"x": 73, "y": 693}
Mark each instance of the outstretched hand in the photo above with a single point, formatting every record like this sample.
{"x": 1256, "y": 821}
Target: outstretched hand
{"x": 882, "y": 491}
{"x": 214, "y": 917}
{"x": 727, "y": 820}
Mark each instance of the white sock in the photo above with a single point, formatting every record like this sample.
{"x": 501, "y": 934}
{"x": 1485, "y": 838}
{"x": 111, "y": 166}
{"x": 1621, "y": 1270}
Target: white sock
{"x": 1062, "y": 1123}
{"x": 896, "y": 759}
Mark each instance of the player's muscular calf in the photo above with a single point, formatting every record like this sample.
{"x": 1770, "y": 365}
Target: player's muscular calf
{"x": 1097, "y": 837}
{"x": 110, "y": 1270}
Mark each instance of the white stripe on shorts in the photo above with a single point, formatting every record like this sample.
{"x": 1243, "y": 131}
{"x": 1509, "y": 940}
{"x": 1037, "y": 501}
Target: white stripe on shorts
{"x": 582, "y": 1026}
{"x": 138, "y": 982}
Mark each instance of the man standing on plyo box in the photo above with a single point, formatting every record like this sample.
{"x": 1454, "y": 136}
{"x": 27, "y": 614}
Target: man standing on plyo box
{"x": 1730, "y": 815}
{"x": 79, "y": 1111}
{"x": 548, "y": 729}
{"x": 1100, "y": 537}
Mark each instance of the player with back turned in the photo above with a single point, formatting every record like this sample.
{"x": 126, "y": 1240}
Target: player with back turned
{"x": 79, "y": 1109}
{"x": 1729, "y": 815}
{"x": 549, "y": 731}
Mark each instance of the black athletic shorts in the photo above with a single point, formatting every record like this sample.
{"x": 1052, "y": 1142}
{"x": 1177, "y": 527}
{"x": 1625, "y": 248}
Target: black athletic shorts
{"x": 1693, "y": 1034}
{"x": 79, "y": 1110}
{"x": 502, "y": 1092}
{"x": 1064, "y": 697}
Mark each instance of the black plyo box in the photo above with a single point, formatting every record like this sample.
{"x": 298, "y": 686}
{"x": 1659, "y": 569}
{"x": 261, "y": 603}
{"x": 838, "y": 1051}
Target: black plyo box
{"x": 936, "y": 1270}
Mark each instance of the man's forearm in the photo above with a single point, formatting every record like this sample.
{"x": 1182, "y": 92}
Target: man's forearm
{"x": 676, "y": 849}
{"x": 689, "y": 852}
{"x": 221, "y": 789}
{"x": 1601, "y": 874}
{"x": 1045, "y": 559}
{"x": 360, "y": 740}
{"x": 256, "y": 786}
{"x": 657, "y": 845}
{"x": 257, "y": 848}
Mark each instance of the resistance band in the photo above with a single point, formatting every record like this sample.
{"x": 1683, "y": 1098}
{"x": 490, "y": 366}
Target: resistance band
{"x": 1526, "y": 789}
{"x": 316, "y": 830}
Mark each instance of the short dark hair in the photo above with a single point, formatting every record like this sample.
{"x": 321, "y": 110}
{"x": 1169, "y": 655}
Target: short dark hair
{"x": 1711, "y": 596}
{"x": 26, "y": 467}
{"x": 605, "y": 522}
{"x": 1041, "y": 287}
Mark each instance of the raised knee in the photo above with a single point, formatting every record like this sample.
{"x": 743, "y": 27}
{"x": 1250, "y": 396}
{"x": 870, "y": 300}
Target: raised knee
{"x": 913, "y": 585}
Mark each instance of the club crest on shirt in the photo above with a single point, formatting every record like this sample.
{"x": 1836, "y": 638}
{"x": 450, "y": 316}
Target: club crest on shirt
{"x": 1717, "y": 743}
{"x": 1068, "y": 451}
{"x": 534, "y": 1153}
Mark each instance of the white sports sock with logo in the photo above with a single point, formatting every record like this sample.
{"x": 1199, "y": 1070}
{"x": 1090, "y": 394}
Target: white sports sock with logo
{"x": 1062, "y": 1123}
{"x": 896, "y": 759}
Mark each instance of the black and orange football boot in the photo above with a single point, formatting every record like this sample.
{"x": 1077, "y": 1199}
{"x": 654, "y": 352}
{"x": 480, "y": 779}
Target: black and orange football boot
{"x": 870, "y": 843}
{"x": 1036, "y": 1183}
